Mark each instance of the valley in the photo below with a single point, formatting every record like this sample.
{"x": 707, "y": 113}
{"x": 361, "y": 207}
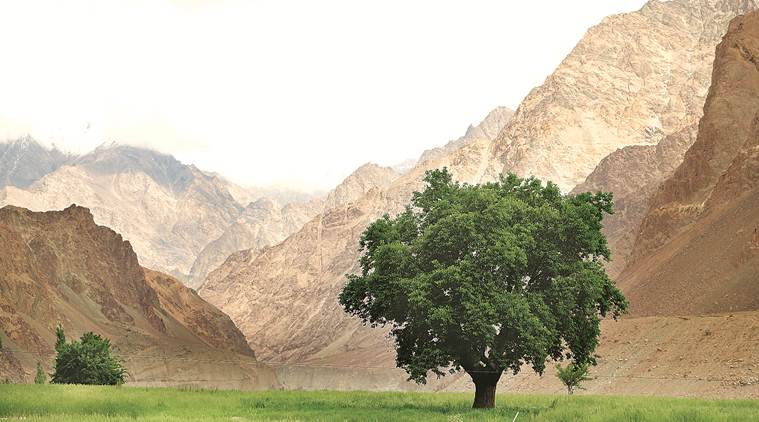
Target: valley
{"x": 213, "y": 291}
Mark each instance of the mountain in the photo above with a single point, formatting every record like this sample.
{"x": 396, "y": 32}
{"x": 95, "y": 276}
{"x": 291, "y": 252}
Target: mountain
{"x": 168, "y": 210}
{"x": 633, "y": 174}
{"x": 59, "y": 267}
{"x": 636, "y": 78}
{"x": 358, "y": 183}
{"x": 489, "y": 128}
{"x": 284, "y": 297}
{"x": 23, "y": 161}
{"x": 244, "y": 195}
{"x": 697, "y": 251}
{"x": 632, "y": 80}
{"x": 262, "y": 223}
{"x": 179, "y": 219}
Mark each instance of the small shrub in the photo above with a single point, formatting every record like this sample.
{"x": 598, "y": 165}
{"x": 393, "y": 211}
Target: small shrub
{"x": 572, "y": 375}
{"x": 41, "y": 377}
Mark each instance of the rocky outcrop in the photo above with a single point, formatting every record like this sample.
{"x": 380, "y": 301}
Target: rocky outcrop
{"x": 24, "y": 161}
{"x": 361, "y": 181}
{"x": 635, "y": 79}
{"x": 61, "y": 268}
{"x": 284, "y": 298}
{"x": 167, "y": 210}
{"x": 633, "y": 175}
{"x": 632, "y": 80}
{"x": 265, "y": 222}
{"x": 696, "y": 252}
{"x": 488, "y": 129}
{"x": 261, "y": 223}
{"x": 179, "y": 219}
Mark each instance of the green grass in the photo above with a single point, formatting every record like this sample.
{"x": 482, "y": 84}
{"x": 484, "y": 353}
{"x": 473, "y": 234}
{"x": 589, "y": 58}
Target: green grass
{"x": 80, "y": 403}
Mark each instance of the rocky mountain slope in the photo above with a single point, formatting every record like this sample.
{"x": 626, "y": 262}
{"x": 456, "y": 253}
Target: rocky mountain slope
{"x": 698, "y": 247}
{"x": 361, "y": 181}
{"x": 264, "y": 222}
{"x": 59, "y": 267}
{"x": 23, "y": 161}
{"x": 284, "y": 297}
{"x": 168, "y": 211}
{"x": 177, "y": 217}
{"x": 489, "y": 128}
{"x": 632, "y": 80}
{"x": 633, "y": 175}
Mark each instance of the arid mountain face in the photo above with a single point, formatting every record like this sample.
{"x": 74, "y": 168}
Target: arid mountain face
{"x": 489, "y": 129}
{"x": 23, "y": 161}
{"x": 169, "y": 211}
{"x": 261, "y": 223}
{"x": 632, "y": 80}
{"x": 633, "y": 175}
{"x": 361, "y": 181}
{"x": 635, "y": 79}
{"x": 698, "y": 248}
{"x": 264, "y": 222}
{"x": 59, "y": 267}
{"x": 284, "y": 298}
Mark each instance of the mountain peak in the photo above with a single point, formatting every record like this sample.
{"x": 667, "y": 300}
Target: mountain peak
{"x": 623, "y": 84}
{"x": 23, "y": 161}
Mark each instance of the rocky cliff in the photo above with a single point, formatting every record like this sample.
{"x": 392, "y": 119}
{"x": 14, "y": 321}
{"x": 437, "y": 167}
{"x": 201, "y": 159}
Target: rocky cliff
{"x": 358, "y": 183}
{"x": 177, "y": 217}
{"x": 632, "y": 80}
{"x": 697, "y": 250}
{"x": 262, "y": 223}
{"x": 61, "y": 268}
{"x": 489, "y": 129}
{"x": 635, "y": 79}
{"x": 284, "y": 298}
{"x": 633, "y": 174}
{"x": 23, "y": 161}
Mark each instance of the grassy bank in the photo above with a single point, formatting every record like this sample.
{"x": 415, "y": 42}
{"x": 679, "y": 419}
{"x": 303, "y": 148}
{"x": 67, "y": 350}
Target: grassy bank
{"x": 80, "y": 403}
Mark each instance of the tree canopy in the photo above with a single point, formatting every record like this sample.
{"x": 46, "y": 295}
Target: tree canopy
{"x": 487, "y": 278}
{"x": 86, "y": 361}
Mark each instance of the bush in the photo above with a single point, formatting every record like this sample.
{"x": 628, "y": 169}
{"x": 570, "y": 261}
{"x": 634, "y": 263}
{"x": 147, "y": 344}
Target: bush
{"x": 41, "y": 377}
{"x": 87, "y": 361}
{"x": 572, "y": 375}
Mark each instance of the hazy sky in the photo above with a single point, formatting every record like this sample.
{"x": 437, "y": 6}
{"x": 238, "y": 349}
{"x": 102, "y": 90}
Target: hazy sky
{"x": 298, "y": 92}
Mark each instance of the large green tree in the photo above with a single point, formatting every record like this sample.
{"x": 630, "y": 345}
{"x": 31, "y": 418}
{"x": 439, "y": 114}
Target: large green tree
{"x": 86, "y": 361}
{"x": 487, "y": 278}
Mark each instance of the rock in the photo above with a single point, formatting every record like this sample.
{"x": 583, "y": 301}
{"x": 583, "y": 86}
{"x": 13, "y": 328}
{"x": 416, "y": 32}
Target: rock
{"x": 632, "y": 80}
{"x": 23, "y": 161}
{"x": 636, "y": 78}
{"x": 489, "y": 129}
{"x": 170, "y": 212}
{"x": 633, "y": 174}
{"x": 693, "y": 254}
{"x": 60, "y": 267}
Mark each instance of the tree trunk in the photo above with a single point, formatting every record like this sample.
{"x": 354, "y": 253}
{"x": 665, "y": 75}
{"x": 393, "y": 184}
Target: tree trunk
{"x": 485, "y": 384}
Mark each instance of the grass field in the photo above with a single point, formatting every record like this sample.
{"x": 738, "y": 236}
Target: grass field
{"x": 80, "y": 403}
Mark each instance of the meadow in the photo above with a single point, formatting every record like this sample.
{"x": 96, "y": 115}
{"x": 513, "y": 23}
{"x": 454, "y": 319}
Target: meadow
{"x": 87, "y": 403}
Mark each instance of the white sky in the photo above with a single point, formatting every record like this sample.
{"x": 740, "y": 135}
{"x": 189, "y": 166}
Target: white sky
{"x": 296, "y": 92}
